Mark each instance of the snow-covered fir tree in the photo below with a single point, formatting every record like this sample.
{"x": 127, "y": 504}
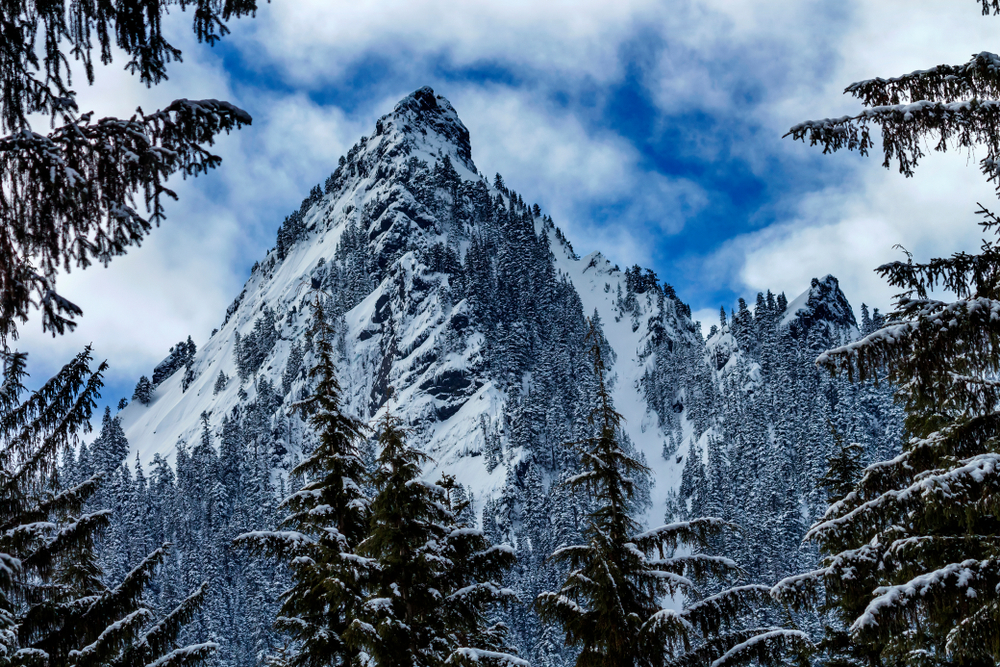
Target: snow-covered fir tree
{"x": 329, "y": 518}
{"x": 610, "y": 603}
{"x": 909, "y": 552}
{"x": 143, "y": 391}
{"x": 908, "y": 548}
{"x": 220, "y": 382}
{"x": 56, "y": 605}
{"x": 430, "y": 580}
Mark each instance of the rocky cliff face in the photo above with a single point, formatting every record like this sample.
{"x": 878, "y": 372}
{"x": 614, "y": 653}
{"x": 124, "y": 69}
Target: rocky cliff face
{"x": 471, "y": 305}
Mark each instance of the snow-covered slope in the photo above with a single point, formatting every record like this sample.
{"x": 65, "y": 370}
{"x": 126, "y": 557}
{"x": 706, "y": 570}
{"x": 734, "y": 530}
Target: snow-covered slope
{"x": 388, "y": 241}
{"x": 408, "y": 331}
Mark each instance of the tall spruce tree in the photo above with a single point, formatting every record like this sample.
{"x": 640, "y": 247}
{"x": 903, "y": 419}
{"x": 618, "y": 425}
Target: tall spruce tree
{"x": 328, "y": 519}
{"x": 912, "y": 561}
{"x": 610, "y": 603}
{"x": 431, "y": 579}
{"x": 55, "y": 608}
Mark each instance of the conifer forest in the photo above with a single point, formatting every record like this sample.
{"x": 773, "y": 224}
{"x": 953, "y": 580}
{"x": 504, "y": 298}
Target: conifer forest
{"x": 427, "y": 432}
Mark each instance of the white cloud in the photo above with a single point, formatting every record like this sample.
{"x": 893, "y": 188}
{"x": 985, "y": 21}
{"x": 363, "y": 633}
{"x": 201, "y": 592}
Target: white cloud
{"x": 551, "y": 157}
{"x": 850, "y": 231}
{"x": 849, "y": 228}
{"x": 314, "y": 41}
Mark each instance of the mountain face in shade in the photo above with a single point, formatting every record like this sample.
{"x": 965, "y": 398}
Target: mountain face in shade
{"x": 472, "y": 306}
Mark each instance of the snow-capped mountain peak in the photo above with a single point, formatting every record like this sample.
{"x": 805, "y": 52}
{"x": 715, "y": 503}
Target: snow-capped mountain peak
{"x": 426, "y": 122}
{"x": 473, "y": 307}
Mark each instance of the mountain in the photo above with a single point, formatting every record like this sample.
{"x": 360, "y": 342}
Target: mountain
{"x": 472, "y": 306}
{"x": 442, "y": 285}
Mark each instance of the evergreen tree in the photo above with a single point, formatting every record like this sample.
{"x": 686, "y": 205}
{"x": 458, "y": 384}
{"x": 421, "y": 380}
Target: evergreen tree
{"x": 329, "y": 518}
{"x": 910, "y": 547}
{"x": 292, "y": 368}
{"x": 609, "y": 605}
{"x": 430, "y": 579}
{"x": 220, "y": 382}
{"x": 111, "y": 447}
{"x": 143, "y": 391}
{"x": 189, "y": 374}
{"x": 911, "y": 559}
{"x": 55, "y": 608}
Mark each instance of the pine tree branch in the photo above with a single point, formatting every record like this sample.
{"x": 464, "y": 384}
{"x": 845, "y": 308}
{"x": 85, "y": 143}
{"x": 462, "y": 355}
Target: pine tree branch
{"x": 36, "y": 77}
{"x": 713, "y": 613}
{"x": 128, "y": 593}
{"x": 162, "y": 636}
{"x": 950, "y": 125}
{"x": 687, "y": 533}
{"x": 977, "y": 79}
{"x": 68, "y": 198}
{"x": 767, "y": 647}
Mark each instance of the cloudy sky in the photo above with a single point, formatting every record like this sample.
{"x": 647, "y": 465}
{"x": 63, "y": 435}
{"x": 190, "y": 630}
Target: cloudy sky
{"x": 650, "y": 130}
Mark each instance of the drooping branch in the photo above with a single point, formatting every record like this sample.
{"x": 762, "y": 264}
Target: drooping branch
{"x": 39, "y": 38}
{"x": 977, "y": 79}
{"x": 67, "y": 199}
{"x": 962, "y": 124}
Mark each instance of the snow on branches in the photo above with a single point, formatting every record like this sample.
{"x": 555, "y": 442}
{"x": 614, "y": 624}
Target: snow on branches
{"x": 956, "y": 106}
{"x": 67, "y": 199}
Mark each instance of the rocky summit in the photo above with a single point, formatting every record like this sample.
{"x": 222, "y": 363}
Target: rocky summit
{"x": 464, "y": 310}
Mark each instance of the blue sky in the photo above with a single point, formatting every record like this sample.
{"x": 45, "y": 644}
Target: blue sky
{"x": 648, "y": 130}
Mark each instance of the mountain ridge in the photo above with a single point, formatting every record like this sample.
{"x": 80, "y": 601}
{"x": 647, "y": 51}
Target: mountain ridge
{"x": 473, "y": 306}
{"x": 365, "y": 190}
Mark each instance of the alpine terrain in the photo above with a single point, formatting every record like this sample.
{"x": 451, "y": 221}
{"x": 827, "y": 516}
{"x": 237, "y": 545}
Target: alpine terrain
{"x": 463, "y": 310}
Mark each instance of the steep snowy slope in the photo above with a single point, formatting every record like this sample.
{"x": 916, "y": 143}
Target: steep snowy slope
{"x": 392, "y": 241}
{"x": 409, "y": 328}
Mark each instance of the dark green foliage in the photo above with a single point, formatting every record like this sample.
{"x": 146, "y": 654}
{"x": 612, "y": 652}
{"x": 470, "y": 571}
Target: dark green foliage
{"x": 292, "y": 368}
{"x": 431, "y": 579}
{"x": 54, "y": 605}
{"x": 179, "y": 357}
{"x": 251, "y": 350}
{"x": 328, "y": 518}
{"x": 609, "y": 605}
{"x": 844, "y": 469}
{"x": 110, "y": 448}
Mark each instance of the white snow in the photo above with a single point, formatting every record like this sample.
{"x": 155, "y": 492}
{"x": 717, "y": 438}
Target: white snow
{"x": 456, "y": 443}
